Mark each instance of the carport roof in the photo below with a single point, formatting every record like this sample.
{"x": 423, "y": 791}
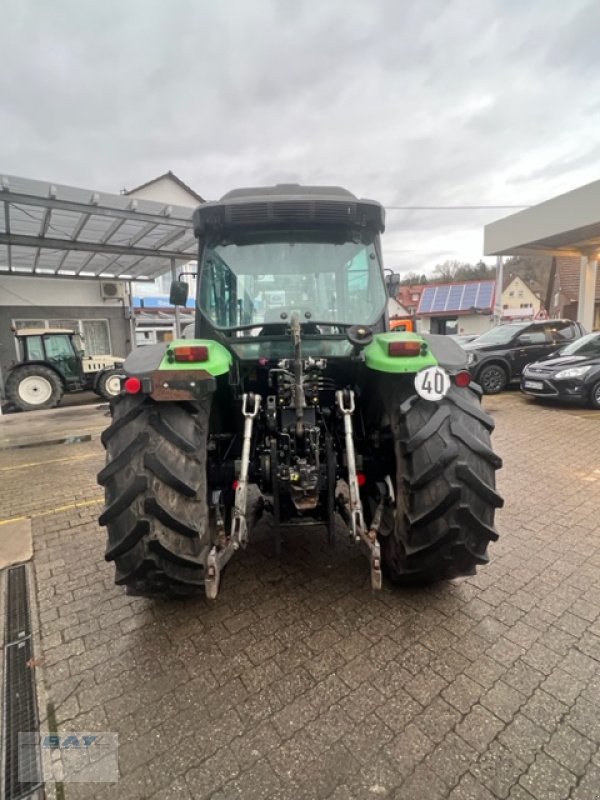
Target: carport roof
{"x": 49, "y": 229}
{"x": 568, "y": 224}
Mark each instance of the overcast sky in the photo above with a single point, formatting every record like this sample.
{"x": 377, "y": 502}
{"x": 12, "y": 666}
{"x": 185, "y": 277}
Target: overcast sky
{"x": 435, "y": 102}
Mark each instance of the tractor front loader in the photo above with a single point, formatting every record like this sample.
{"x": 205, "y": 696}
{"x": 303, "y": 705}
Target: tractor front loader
{"x": 295, "y": 384}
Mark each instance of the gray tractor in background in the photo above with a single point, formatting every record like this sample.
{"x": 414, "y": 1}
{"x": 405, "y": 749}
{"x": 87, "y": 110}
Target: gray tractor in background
{"x": 52, "y": 363}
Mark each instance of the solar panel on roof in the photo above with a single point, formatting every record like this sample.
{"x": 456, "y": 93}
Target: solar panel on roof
{"x": 426, "y": 300}
{"x": 456, "y": 297}
{"x": 469, "y": 296}
{"x": 441, "y": 298}
{"x": 484, "y": 299}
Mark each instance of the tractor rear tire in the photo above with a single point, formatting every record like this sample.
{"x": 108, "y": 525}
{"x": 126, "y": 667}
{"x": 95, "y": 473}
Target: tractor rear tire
{"x": 156, "y": 509}
{"x": 445, "y": 489}
{"x": 34, "y": 387}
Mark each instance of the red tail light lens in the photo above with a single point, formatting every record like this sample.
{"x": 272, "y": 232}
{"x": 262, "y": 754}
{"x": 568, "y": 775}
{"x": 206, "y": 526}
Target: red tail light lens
{"x": 462, "y": 379}
{"x": 189, "y": 354}
{"x": 132, "y": 385}
{"x": 361, "y": 478}
{"x": 411, "y": 347}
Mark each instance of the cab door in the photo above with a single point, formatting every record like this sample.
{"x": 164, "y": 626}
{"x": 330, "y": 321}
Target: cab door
{"x": 60, "y": 352}
{"x": 530, "y": 345}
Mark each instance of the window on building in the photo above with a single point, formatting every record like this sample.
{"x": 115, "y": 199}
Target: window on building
{"x": 64, "y": 324}
{"x": 29, "y": 323}
{"x": 511, "y": 294}
{"x": 96, "y": 338}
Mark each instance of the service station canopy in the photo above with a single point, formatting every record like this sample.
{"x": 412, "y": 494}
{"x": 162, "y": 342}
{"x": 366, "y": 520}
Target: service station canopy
{"x": 566, "y": 225}
{"x": 53, "y": 230}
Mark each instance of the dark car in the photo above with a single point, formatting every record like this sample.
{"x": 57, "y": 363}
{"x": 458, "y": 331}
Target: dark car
{"x": 571, "y": 374}
{"x": 499, "y": 356}
{"x": 463, "y": 338}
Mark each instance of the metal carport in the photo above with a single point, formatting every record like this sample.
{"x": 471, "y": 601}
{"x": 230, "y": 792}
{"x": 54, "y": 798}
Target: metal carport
{"x": 53, "y": 230}
{"x": 566, "y": 225}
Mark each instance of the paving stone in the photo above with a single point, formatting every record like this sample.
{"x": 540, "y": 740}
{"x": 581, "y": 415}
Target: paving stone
{"x": 422, "y": 783}
{"x": 469, "y": 789}
{"x": 425, "y": 686}
{"x": 451, "y": 759}
{"x": 524, "y": 738}
{"x": 587, "y": 789}
{"x": 584, "y": 717}
{"x": 570, "y": 749}
{"x": 462, "y": 693}
{"x": 503, "y": 701}
{"x": 524, "y": 678}
{"x": 548, "y": 780}
{"x": 563, "y": 686}
{"x": 498, "y": 769}
{"x": 398, "y": 711}
{"x": 544, "y": 709}
{"x": 479, "y": 727}
{"x": 485, "y": 671}
{"x": 407, "y": 749}
{"x": 437, "y": 719}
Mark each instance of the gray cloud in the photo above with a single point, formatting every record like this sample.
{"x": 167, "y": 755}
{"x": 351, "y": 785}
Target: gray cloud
{"x": 429, "y": 103}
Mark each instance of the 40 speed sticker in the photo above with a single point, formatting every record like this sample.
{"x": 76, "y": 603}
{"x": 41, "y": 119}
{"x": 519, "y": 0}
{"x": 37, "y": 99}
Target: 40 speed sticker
{"x": 432, "y": 383}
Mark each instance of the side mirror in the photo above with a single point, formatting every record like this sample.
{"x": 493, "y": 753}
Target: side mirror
{"x": 178, "y": 294}
{"x": 525, "y": 339}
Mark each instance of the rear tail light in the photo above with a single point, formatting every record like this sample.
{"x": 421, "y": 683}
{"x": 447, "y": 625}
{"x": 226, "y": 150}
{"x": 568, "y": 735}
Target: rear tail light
{"x": 462, "y": 379}
{"x": 412, "y": 347}
{"x": 361, "y": 478}
{"x": 132, "y": 385}
{"x": 190, "y": 353}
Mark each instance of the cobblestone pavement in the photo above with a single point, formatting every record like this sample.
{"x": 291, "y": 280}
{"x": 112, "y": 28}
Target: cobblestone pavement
{"x": 300, "y": 683}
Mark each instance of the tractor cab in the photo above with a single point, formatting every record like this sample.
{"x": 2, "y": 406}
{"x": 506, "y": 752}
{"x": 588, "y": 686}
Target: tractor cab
{"x": 59, "y": 348}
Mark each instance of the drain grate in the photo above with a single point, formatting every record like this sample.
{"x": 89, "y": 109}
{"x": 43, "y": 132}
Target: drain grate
{"x": 18, "y": 623}
{"x": 20, "y": 706}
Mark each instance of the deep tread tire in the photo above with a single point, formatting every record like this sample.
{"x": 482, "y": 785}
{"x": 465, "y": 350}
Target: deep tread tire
{"x": 446, "y": 490}
{"x": 156, "y": 511}
{"x": 20, "y": 374}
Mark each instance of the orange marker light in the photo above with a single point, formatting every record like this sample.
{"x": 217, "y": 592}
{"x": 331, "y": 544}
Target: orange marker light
{"x": 190, "y": 353}
{"x": 411, "y": 347}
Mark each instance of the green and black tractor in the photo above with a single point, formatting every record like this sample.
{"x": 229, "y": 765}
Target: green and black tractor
{"x": 294, "y": 383}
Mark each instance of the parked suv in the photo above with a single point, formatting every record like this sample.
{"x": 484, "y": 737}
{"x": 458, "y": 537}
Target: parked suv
{"x": 498, "y": 357}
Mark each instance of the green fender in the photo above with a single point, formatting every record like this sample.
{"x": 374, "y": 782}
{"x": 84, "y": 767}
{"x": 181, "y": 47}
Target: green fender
{"x": 143, "y": 361}
{"x": 219, "y": 358}
{"x": 377, "y": 357}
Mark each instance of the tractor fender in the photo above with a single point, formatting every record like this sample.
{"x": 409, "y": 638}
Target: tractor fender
{"x": 167, "y": 378}
{"x": 435, "y": 350}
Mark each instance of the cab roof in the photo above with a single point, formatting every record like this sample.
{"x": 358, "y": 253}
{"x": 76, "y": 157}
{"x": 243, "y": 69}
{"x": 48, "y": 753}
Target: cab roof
{"x": 41, "y": 331}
